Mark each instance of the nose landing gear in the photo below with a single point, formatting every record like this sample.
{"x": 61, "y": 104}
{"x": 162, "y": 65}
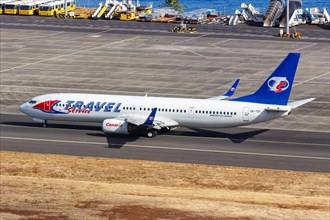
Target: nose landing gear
{"x": 45, "y": 124}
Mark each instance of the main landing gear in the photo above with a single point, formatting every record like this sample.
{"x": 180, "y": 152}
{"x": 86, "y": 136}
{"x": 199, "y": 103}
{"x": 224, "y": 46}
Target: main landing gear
{"x": 45, "y": 124}
{"x": 151, "y": 133}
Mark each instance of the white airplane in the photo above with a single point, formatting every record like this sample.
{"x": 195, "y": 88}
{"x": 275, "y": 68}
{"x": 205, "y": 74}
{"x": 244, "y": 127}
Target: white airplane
{"x": 150, "y": 115}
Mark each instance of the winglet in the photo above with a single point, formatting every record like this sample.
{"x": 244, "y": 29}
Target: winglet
{"x": 232, "y": 90}
{"x": 228, "y": 94}
{"x": 151, "y": 117}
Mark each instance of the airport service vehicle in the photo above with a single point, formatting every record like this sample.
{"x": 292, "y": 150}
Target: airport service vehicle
{"x": 183, "y": 28}
{"x": 31, "y": 8}
{"x": 12, "y": 7}
{"x": 51, "y": 9}
{"x": 70, "y": 5}
{"x": 27, "y": 8}
{"x": 151, "y": 115}
{"x": 2, "y": 4}
{"x": 56, "y": 7}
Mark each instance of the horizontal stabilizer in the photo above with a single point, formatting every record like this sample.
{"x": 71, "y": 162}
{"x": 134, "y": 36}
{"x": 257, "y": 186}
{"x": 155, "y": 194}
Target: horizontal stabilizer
{"x": 296, "y": 104}
{"x": 278, "y": 108}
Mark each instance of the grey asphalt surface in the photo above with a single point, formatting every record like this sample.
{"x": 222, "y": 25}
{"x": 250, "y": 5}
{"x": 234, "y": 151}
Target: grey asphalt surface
{"x": 311, "y": 33}
{"x": 244, "y": 147}
{"x": 42, "y": 55}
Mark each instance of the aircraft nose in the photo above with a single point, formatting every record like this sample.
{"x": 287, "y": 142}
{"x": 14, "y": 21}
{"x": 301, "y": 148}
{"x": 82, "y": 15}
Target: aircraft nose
{"x": 23, "y": 108}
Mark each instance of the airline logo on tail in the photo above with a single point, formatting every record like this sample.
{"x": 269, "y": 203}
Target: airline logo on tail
{"x": 278, "y": 84}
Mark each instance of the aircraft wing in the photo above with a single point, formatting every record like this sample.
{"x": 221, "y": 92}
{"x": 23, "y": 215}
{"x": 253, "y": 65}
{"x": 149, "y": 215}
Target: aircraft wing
{"x": 162, "y": 122}
{"x": 142, "y": 120}
{"x": 136, "y": 120}
{"x": 228, "y": 94}
{"x": 151, "y": 120}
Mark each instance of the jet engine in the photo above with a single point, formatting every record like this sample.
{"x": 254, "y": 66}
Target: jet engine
{"x": 116, "y": 126}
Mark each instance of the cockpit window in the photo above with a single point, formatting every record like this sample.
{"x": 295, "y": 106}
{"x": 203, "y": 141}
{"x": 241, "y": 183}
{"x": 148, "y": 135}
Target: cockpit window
{"x": 32, "y": 101}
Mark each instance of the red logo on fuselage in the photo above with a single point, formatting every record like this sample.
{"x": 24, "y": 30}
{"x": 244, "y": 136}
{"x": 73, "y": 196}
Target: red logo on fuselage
{"x": 75, "y": 110}
{"x": 108, "y": 124}
{"x": 47, "y": 106}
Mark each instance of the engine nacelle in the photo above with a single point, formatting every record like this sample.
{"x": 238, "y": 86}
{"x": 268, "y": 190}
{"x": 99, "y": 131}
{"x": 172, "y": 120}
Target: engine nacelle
{"x": 115, "y": 126}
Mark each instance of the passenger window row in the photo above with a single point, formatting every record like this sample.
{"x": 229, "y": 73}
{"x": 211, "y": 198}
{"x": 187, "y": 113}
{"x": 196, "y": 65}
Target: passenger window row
{"x": 214, "y": 112}
{"x": 160, "y": 109}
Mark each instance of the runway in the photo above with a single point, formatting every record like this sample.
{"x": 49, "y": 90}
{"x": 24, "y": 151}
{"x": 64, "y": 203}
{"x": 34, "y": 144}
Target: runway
{"x": 244, "y": 147}
{"x": 41, "y": 55}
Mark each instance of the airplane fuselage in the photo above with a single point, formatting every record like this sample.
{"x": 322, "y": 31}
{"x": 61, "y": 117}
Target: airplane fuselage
{"x": 199, "y": 113}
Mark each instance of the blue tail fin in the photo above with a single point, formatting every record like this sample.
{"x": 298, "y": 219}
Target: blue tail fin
{"x": 276, "y": 89}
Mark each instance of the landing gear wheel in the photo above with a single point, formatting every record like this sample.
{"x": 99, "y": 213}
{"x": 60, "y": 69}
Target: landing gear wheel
{"x": 45, "y": 125}
{"x": 151, "y": 133}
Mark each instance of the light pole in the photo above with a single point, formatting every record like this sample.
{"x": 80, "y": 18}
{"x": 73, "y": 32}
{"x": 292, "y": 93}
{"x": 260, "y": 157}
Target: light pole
{"x": 287, "y": 17}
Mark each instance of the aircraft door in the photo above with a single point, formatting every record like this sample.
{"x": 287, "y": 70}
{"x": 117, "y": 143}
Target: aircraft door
{"x": 191, "y": 112}
{"x": 246, "y": 114}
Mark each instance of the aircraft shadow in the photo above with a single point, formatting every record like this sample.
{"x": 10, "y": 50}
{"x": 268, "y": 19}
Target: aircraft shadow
{"x": 236, "y": 138}
{"x": 63, "y": 126}
{"x": 116, "y": 141}
{"x": 324, "y": 26}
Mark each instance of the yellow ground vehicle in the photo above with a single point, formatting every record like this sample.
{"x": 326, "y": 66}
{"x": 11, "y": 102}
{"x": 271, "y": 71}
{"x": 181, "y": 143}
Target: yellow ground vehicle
{"x": 70, "y": 5}
{"x": 56, "y": 8}
{"x": 12, "y": 7}
{"x": 2, "y": 5}
{"x": 51, "y": 9}
{"x": 31, "y": 8}
{"x": 144, "y": 9}
{"x": 182, "y": 28}
{"x": 128, "y": 16}
{"x": 27, "y": 9}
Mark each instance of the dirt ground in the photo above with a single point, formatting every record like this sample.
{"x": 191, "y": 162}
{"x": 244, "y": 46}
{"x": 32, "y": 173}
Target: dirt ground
{"x": 40, "y": 186}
